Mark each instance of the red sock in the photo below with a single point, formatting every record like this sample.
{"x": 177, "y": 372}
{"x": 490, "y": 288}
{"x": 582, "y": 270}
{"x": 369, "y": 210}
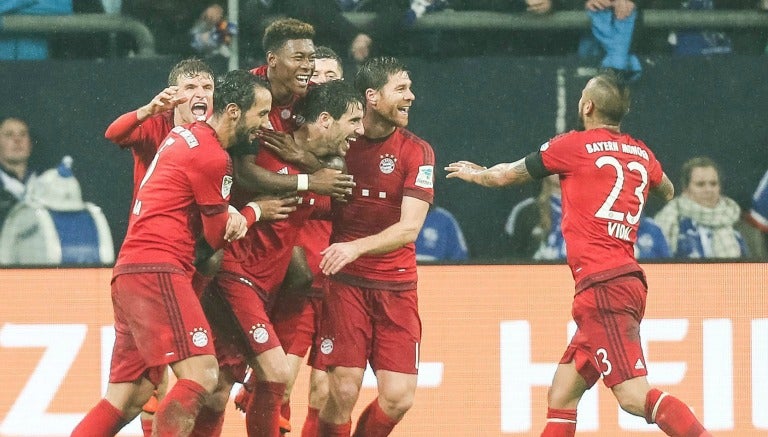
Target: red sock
{"x": 310, "y": 427}
{"x": 177, "y": 411}
{"x": 208, "y": 423}
{"x": 560, "y": 423}
{"x": 103, "y": 419}
{"x": 374, "y": 422}
{"x": 326, "y": 429}
{"x": 263, "y": 416}
{"x": 146, "y": 425}
{"x": 672, "y": 415}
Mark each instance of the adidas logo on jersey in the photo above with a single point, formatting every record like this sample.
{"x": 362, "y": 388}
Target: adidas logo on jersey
{"x": 639, "y": 364}
{"x": 283, "y": 170}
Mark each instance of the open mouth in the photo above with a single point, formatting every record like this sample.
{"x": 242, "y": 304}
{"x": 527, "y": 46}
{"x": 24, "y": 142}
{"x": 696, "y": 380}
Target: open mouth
{"x": 200, "y": 109}
{"x": 303, "y": 79}
{"x": 403, "y": 110}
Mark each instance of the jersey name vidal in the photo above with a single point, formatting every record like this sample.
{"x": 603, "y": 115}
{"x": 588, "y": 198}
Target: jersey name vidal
{"x": 264, "y": 253}
{"x": 384, "y": 172}
{"x": 189, "y": 171}
{"x": 605, "y": 178}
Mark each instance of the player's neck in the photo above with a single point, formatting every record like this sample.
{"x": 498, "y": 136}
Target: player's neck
{"x": 376, "y": 126}
{"x": 611, "y": 127}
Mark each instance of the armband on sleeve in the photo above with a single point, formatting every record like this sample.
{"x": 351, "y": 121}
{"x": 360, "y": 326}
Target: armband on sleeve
{"x": 535, "y": 165}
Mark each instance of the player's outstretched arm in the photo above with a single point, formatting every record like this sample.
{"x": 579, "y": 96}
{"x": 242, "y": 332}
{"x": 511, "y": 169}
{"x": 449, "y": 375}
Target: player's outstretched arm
{"x": 665, "y": 190}
{"x": 124, "y": 129}
{"x": 500, "y": 175}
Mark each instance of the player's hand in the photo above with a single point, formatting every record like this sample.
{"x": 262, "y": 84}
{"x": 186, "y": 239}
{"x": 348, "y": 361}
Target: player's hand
{"x": 282, "y": 144}
{"x": 623, "y": 8}
{"x": 166, "y": 100}
{"x": 463, "y": 170}
{"x": 236, "y": 227}
{"x": 338, "y": 255}
{"x": 330, "y": 182}
{"x": 277, "y": 208}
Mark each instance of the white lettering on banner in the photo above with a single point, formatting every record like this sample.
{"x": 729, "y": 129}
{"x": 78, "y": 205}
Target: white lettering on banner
{"x": 61, "y": 344}
{"x": 519, "y": 374}
{"x": 717, "y": 356}
{"x": 760, "y": 373}
{"x": 430, "y": 375}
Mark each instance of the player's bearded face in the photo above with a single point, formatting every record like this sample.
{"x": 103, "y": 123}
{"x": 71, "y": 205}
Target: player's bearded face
{"x": 347, "y": 128}
{"x": 395, "y": 99}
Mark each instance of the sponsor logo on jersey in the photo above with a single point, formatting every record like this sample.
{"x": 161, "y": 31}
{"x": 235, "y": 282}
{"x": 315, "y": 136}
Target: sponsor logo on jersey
{"x": 259, "y": 333}
{"x": 326, "y": 346}
{"x": 387, "y": 163}
{"x": 226, "y": 186}
{"x": 199, "y": 337}
{"x": 425, "y": 176}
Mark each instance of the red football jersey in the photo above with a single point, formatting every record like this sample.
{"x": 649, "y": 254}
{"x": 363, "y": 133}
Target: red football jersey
{"x": 281, "y": 117}
{"x": 190, "y": 172}
{"x": 605, "y": 178}
{"x": 264, "y": 254}
{"x": 143, "y": 138}
{"x": 385, "y": 171}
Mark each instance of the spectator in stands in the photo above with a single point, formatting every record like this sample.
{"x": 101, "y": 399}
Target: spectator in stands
{"x": 15, "y": 174}
{"x": 535, "y": 234}
{"x": 612, "y": 26}
{"x": 441, "y": 238}
{"x": 54, "y": 226}
{"x": 212, "y": 33}
{"x": 700, "y": 222}
{"x": 756, "y": 221}
{"x": 29, "y": 48}
{"x": 169, "y": 21}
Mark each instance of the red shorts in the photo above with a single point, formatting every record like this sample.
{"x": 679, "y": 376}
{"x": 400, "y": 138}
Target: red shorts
{"x": 607, "y": 340}
{"x": 250, "y": 315}
{"x": 158, "y": 321}
{"x": 381, "y": 327}
{"x": 296, "y": 318}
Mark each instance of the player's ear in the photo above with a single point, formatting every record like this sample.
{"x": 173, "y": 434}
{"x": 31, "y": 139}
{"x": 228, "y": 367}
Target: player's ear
{"x": 271, "y": 59}
{"x": 589, "y": 107}
{"x": 372, "y": 96}
{"x": 233, "y": 111}
{"x": 325, "y": 119}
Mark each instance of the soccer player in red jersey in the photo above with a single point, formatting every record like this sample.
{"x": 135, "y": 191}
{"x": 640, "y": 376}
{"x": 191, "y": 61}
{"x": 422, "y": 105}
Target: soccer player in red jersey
{"x": 187, "y": 98}
{"x": 371, "y": 312}
{"x": 158, "y": 317}
{"x": 606, "y": 176}
{"x": 253, "y": 268}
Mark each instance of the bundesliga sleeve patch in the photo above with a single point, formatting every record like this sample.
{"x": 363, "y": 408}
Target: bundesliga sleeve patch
{"x": 226, "y": 186}
{"x": 544, "y": 147}
{"x": 424, "y": 178}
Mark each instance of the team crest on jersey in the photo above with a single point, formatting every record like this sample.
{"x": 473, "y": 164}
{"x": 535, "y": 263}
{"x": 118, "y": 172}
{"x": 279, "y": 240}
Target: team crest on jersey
{"x": 285, "y": 114}
{"x": 259, "y": 333}
{"x": 326, "y": 346}
{"x": 387, "y": 163}
{"x": 226, "y": 186}
{"x": 425, "y": 176}
{"x": 199, "y": 337}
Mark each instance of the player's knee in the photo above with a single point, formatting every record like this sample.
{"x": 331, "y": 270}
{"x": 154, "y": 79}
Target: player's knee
{"x": 345, "y": 392}
{"x": 217, "y": 400}
{"x": 396, "y": 402}
{"x": 631, "y": 403}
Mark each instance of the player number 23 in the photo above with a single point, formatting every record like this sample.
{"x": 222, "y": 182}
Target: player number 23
{"x": 606, "y": 211}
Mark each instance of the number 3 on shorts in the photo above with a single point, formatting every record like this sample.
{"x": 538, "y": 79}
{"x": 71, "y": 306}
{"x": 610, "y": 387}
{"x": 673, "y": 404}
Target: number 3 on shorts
{"x": 602, "y": 357}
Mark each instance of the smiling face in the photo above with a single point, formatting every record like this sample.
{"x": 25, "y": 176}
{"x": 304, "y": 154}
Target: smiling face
{"x": 704, "y": 186}
{"x": 254, "y": 118}
{"x": 340, "y": 132}
{"x": 393, "y": 101}
{"x": 291, "y": 67}
{"x": 198, "y": 90}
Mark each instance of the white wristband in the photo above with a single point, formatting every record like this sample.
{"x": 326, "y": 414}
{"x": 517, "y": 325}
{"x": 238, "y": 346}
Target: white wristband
{"x": 302, "y": 182}
{"x": 232, "y": 210}
{"x": 256, "y": 209}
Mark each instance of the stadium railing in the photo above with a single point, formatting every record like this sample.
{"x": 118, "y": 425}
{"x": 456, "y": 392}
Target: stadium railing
{"x": 443, "y": 20}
